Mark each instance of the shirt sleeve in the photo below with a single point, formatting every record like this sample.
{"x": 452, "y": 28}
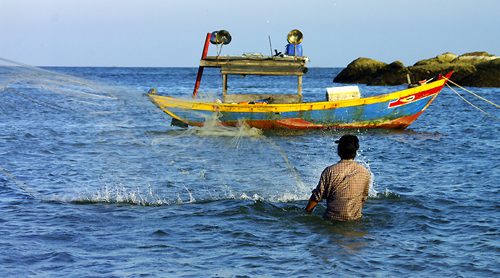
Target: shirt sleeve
{"x": 319, "y": 192}
{"x": 367, "y": 186}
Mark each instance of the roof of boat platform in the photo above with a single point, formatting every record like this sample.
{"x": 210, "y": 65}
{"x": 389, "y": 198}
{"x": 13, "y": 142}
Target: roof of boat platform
{"x": 257, "y": 64}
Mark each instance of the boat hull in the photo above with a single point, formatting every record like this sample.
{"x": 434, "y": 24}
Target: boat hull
{"x": 393, "y": 111}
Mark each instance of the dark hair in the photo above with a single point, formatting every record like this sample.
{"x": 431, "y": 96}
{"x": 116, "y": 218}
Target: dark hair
{"x": 348, "y": 145}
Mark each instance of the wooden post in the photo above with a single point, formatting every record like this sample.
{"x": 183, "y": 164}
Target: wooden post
{"x": 224, "y": 86}
{"x": 200, "y": 69}
{"x": 300, "y": 86}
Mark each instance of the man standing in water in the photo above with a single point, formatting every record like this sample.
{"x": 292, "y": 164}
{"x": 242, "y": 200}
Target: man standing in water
{"x": 344, "y": 185}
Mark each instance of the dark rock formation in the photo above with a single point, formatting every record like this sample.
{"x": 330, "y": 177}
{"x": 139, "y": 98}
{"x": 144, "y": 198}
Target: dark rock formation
{"x": 477, "y": 69}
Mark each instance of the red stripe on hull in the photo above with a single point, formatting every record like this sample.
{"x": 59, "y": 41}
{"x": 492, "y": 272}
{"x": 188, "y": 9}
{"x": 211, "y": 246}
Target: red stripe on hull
{"x": 414, "y": 97}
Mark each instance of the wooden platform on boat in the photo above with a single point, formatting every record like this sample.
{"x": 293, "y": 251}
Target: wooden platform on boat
{"x": 258, "y": 65}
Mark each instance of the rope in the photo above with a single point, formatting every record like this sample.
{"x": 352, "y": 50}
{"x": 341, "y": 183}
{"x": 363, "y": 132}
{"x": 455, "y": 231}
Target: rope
{"x": 37, "y": 101}
{"x": 12, "y": 178}
{"x": 470, "y": 102}
{"x": 471, "y": 92}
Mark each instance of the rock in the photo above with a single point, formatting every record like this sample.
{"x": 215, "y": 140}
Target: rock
{"x": 393, "y": 74}
{"x": 361, "y": 70}
{"x": 447, "y": 57}
{"x": 478, "y": 69}
{"x": 475, "y": 58}
{"x": 440, "y": 59}
{"x": 487, "y": 74}
{"x": 424, "y": 72}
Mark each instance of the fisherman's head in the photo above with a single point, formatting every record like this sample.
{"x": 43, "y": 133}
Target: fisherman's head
{"x": 348, "y": 145}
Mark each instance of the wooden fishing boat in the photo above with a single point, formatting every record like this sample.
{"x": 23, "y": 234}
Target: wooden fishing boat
{"x": 284, "y": 111}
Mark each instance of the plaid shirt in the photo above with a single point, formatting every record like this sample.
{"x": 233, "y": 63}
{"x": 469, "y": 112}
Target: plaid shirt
{"x": 345, "y": 186}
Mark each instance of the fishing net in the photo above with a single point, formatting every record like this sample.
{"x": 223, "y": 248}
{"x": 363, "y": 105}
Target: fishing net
{"x": 90, "y": 135}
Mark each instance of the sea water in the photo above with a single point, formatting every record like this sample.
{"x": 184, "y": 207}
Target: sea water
{"x": 94, "y": 182}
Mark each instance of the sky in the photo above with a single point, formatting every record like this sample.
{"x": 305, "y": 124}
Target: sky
{"x": 171, "y": 33}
